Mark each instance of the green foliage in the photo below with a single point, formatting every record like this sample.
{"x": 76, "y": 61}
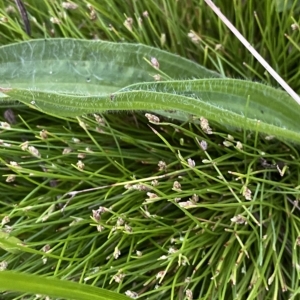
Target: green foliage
{"x": 66, "y": 77}
{"x": 285, "y": 5}
{"x": 52, "y": 287}
{"x": 172, "y": 210}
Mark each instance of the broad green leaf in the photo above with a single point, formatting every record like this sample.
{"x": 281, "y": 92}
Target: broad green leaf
{"x": 85, "y": 67}
{"x": 33, "y": 284}
{"x": 66, "y": 77}
{"x": 234, "y": 103}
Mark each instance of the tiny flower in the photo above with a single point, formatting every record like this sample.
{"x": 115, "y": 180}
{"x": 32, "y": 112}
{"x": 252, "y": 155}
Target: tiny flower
{"x": 191, "y": 163}
{"x": 96, "y": 215}
{"x": 35, "y": 152}
{"x": 161, "y": 274}
{"x": 219, "y": 47}
{"x": 172, "y": 250}
{"x": 128, "y": 228}
{"x": 195, "y": 198}
{"x": 187, "y": 280}
{"x": 69, "y": 5}
{"x": 246, "y": 193}
{"x": 140, "y": 21}
{"x": 154, "y": 182}
{"x": 239, "y": 219}
{"x": 14, "y": 164}
{"x": 55, "y": 20}
{"x": 100, "y": 228}
{"x": 3, "y": 265}
{"x": 203, "y": 145}
{"x": 7, "y": 229}
{"x": 151, "y": 195}
{"x": 80, "y": 165}
{"x": 5, "y": 125}
{"x": 152, "y": 118}
{"x": 145, "y": 14}
{"x": 131, "y": 294}
{"x": 140, "y": 187}
{"x": 120, "y": 222}
{"x": 227, "y": 144}
{"x": 177, "y": 186}
{"x": 117, "y": 253}
{"x": 46, "y": 248}
{"x": 162, "y": 165}
{"x": 66, "y": 151}
{"x": 81, "y": 155}
{"x": 269, "y": 137}
{"x": 3, "y": 20}
{"x": 128, "y": 23}
{"x": 99, "y": 120}
{"x": 163, "y": 257}
{"x": 10, "y": 9}
{"x": 189, "y": 294}
{"x": 194, "y": 37}
{"x": 187, "y": 204}
{"x": 154, "y": 62}
{"x": 128, "y": 186}
{"x": 93, "y": 15}
{"x": 10, "y": 178}
{"x": 139, "y": 253}
{"x": 44, "y": 134}
{"x": 5, "y": 220}
{"x": 76, "y": 140}
{"x": 24, "y": 146}
{"x": 239, "y": 145}
{"x": 118, "y": 277}
{"x": 206, "y": 161}
{"x": 205, "y": 126}
{"x": 82, "y": 124}
{"x": 157, "y": 77}
{"x": 76, "y": 221}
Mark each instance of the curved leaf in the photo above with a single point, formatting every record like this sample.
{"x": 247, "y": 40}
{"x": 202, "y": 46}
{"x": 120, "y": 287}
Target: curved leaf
{"x": 236, "y": 106}
{"x": 85, "y": 67}
{"x": 33, "y": 284}
{"x": 67, "y": 77}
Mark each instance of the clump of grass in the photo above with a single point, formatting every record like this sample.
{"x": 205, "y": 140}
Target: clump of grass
{"x": 162, "y": 211}
{"x": 193, "y": 211}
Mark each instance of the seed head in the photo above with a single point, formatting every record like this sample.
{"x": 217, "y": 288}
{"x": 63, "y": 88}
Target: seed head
{"x": 154, "y": 62}
{"x": 205, "y": 125}
{"x": 69, "y": 5}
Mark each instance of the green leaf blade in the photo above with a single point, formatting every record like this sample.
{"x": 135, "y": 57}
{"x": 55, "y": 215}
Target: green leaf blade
{"x": 84, "y": 67}
{"x": 68, "y": 77}
{"x": 28, "y": 283}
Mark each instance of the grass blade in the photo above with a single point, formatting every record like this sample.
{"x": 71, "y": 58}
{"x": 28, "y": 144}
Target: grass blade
{"x": 28, "y": 283}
